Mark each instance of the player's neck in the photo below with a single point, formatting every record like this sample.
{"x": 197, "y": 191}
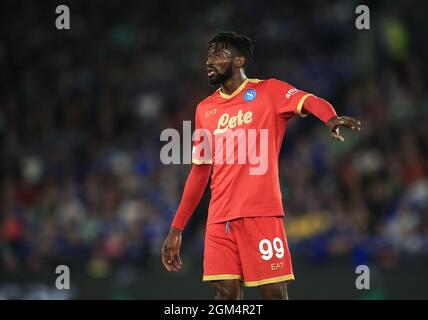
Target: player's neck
{"x": 233, "y": 83}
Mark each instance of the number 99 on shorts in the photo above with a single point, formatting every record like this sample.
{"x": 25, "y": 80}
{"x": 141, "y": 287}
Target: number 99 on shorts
{"x": 268, "y": 248}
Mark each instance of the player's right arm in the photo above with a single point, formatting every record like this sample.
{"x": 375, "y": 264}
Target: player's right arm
{"x": 192, "y": 194}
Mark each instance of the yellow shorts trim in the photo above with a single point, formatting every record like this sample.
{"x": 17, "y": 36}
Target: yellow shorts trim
{"x": 269, "y": 280}
{"x": 221, "y": 277}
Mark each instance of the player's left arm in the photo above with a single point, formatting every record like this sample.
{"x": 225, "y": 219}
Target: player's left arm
{"x": 324, "y": 111}
{"x": 290, "y": 101}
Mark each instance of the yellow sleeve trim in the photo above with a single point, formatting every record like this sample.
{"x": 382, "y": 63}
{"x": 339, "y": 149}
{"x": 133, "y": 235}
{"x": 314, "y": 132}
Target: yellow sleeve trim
{"x": 221, "y": 277}
{"x": 198, "y": 162}
{"x": 300, "y": 105}
{"x": 269, "y": 280}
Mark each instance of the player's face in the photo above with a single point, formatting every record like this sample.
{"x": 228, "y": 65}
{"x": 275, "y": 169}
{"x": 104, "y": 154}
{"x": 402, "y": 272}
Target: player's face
{"x": 219, "y": 64}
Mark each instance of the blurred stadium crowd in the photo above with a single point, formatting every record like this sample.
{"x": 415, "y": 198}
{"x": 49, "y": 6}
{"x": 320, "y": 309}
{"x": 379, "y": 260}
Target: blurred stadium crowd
{"x": 81, "y": 113}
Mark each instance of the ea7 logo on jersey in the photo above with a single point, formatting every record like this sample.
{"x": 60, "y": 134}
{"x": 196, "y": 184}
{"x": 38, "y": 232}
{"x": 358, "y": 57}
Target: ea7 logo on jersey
{"x": 291, "y": 92}
{"x": 210, "y": 112}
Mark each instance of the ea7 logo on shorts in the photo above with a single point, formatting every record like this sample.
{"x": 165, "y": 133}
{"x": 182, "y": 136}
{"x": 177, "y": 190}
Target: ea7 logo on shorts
{"x": 277, "y": 265}
{"x": 291, "y": 92}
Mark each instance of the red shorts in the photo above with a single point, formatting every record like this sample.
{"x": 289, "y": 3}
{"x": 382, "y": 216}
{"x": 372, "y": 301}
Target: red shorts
{"x": 254, "y": 250}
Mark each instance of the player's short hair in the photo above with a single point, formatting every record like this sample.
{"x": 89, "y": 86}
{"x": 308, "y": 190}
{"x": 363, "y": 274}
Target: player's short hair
{"x": 242, "y": 44}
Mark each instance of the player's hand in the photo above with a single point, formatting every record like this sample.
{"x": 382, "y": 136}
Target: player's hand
{"x": 335, "y": 123}
{"x": 171, "y": 250}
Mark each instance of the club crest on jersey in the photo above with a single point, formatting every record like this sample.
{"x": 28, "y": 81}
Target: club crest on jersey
{"x": 249, "y": 95}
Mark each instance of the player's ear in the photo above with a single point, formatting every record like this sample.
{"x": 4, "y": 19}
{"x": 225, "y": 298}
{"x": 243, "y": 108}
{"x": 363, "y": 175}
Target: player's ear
{"x": 239, "y": 61}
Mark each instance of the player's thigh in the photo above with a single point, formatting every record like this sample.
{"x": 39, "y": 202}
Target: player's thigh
{"x": 227, "y": 289}
{"x": 263, "y": 249}
{"x": 274, "y": 291}
{"x": 221, "y": 255}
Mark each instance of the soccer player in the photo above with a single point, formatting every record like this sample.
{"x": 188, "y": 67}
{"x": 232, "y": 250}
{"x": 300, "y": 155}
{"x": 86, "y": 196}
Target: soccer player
{"x": 245, "y": 241}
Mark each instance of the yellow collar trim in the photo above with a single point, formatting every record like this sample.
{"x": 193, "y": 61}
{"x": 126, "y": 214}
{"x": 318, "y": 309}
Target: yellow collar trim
{"x": 239, "y": 89}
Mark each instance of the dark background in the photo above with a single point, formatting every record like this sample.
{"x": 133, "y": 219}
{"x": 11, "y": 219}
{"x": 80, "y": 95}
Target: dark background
{"x": 81, "y": 112}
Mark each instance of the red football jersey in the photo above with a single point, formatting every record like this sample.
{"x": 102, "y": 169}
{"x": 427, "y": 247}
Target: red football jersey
{"x": 243, "y": 137}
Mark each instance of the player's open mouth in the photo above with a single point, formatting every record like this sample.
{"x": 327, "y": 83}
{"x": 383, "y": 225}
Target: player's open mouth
{"x": 211, "y": 73}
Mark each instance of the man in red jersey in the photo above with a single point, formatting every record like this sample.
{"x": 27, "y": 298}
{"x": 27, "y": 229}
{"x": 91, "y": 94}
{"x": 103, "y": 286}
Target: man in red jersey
{"x": 245, "y": 242}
